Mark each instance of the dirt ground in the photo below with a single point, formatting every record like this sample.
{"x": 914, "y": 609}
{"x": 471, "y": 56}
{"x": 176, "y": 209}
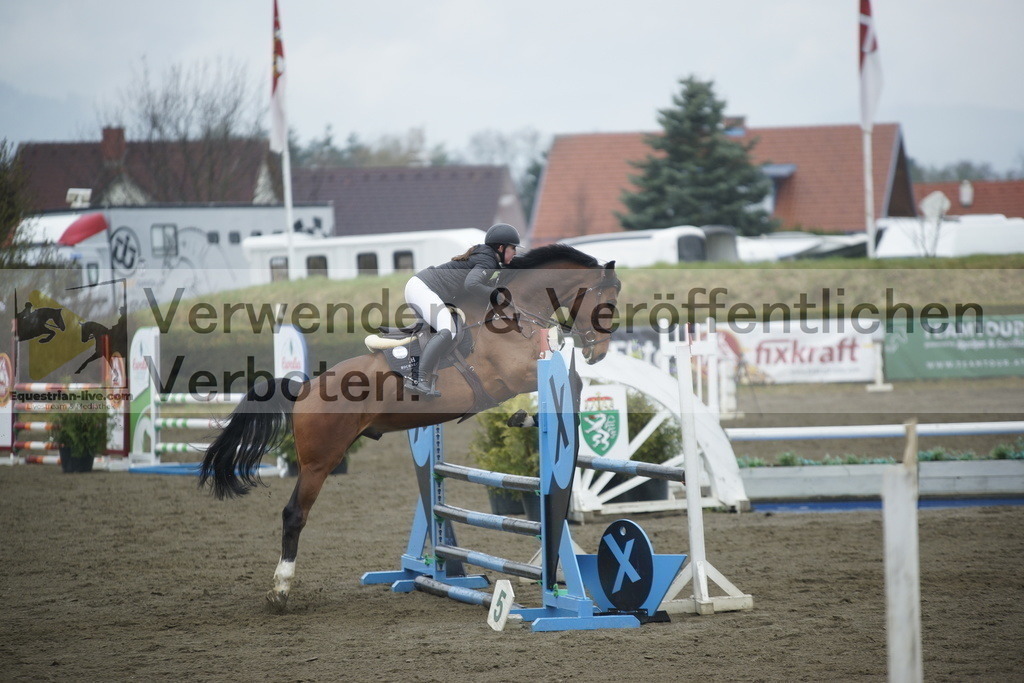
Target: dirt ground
{"x": 110, "y": 576}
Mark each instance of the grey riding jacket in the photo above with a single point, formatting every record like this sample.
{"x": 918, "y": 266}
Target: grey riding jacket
{"x": 452, "y": 279}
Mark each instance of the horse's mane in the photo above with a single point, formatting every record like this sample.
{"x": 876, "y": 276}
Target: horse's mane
{"x": 546, "y": 255}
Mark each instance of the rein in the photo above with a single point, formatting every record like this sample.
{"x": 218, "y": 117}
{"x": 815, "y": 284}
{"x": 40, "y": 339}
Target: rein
{"x": 590, "y": 338}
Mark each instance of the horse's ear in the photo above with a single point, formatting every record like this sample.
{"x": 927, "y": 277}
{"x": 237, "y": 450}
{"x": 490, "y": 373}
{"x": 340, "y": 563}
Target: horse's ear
{"x": 610, "y": 266}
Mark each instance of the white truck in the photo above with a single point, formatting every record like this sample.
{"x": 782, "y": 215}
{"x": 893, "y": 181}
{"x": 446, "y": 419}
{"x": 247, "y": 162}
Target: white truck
{"x": 681, "y": 244}
{"x": 342, "y": 258}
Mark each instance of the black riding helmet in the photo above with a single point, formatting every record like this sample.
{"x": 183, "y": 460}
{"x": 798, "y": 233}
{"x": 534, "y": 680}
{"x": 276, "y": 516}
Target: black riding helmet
{"x": 501, "y": 234}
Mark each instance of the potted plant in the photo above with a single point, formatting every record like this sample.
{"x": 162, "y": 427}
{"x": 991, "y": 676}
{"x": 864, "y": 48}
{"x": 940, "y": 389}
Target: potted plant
{"x": 287, "y": 451}
{"x": 82, "y": 432}
{"x": 499, "y": 448}
{"x": 663, "y": 444}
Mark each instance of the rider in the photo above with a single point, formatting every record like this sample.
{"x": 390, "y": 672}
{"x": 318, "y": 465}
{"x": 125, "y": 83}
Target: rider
{"x": 430, "y": 289}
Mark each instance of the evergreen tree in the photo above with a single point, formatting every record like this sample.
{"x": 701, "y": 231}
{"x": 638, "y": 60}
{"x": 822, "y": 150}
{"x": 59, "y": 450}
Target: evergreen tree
{"x": 699, "y": 175}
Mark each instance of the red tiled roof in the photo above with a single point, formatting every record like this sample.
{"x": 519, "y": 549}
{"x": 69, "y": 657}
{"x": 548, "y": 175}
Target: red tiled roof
{"x": 373, "y": 200}
{"x": 586, "y": 174}
{"x": 163, "y": 171}
{"x": 990, "y": 196}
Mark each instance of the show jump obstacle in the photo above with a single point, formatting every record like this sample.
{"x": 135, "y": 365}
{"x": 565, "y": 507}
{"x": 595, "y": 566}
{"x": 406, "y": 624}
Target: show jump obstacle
{"x": 147, "y": 423}
{"x": 133, "y": 427}
{"x": 18, "y": 418}
{"x": 606, "y": 590}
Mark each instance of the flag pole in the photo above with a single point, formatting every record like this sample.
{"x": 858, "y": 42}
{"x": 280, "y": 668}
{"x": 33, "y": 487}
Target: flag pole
{"x": 870, "y": 90}
{"x": 279, "y": 139}
{"x": 869, "y": 193}
{"x": 286, "y": 172}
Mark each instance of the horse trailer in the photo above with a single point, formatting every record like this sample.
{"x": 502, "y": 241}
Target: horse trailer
{"x": 160, "y": 249}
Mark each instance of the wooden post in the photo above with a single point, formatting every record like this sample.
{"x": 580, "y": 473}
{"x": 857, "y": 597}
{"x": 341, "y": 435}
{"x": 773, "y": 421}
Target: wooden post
{"x": 902, "y": 570}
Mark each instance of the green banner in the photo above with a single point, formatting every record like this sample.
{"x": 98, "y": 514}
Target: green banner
{"x": 992, "y": 346}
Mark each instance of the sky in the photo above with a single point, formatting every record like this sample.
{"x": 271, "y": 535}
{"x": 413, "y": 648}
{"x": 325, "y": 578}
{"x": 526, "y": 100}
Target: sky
{"x": 951, "y": 69}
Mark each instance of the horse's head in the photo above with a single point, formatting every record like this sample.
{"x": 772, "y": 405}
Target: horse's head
{"x": 595, "y": 328}
{"x": 86, "y": 331}
{"x": 561, "y": 277}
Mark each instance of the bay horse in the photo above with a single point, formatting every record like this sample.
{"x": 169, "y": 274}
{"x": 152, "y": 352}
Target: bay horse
{"x": 362, "y": 396}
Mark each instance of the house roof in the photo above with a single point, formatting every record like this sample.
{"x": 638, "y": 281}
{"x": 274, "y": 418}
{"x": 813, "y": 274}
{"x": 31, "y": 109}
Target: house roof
{"x": 160, "y": 171}
{"x": 990, "y": 196}
{"x": 373, "y": 200}
{"x": 586, "y": 175}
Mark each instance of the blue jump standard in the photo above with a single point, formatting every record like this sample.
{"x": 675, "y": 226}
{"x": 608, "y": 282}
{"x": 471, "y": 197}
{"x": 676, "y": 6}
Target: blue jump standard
{"x": 433, "y": 561}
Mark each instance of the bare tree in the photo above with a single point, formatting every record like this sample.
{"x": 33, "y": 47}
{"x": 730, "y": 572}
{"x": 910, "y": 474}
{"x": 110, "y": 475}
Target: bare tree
{"x": 389, "y": 150}
{"x": 933, "y": 210}
{"x": 193, "y": 122}
{"x": 518, "y": 150}
{"x": 15, "y": 206}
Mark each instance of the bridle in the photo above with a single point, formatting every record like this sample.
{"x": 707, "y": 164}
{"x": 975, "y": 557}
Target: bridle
{"x": 590, "y": 338}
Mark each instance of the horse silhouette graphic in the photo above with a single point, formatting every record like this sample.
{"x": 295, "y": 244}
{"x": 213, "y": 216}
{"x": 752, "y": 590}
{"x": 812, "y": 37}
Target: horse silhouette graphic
{"x": 39, "y": 322}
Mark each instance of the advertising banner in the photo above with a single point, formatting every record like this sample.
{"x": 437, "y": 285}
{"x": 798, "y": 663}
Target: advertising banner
{"x": 991, "y": 346}
{"x": 789, "y": 352}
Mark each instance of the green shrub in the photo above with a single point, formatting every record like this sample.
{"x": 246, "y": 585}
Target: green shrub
{"x": 664, "y": 443}
{"x": 940, "y": 454}
{"x": 82, "y": 428}
{"x": 787, "y": 459}
{"x": 1006, "y": 451}
{"x": 499, "y": 448}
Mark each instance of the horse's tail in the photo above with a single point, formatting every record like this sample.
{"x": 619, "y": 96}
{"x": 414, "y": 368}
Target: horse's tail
{"x": 256, "y": 425}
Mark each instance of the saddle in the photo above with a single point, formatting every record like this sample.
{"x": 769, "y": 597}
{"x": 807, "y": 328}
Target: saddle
{"x": 401, "y": 347}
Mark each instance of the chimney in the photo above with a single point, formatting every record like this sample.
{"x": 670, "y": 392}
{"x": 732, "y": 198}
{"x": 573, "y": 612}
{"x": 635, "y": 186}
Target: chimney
{"x": 966, "y": 194}
{"x": 113, "y": 146}
{"x": 735, "y": 126}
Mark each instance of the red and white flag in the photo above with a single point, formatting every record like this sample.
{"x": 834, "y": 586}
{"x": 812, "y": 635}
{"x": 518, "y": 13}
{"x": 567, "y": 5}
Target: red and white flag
{"x": 870, "y": 67}
{"x": 278, "y": 119}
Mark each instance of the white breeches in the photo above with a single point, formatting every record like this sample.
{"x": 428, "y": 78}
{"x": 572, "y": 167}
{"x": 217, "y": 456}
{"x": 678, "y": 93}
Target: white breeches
{"x": 428, "y": 305}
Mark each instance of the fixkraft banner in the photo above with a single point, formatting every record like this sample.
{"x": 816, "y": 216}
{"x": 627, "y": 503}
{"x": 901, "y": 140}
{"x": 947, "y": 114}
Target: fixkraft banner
{"x": 990, "y": 346}
{"x": 788, "y": 352}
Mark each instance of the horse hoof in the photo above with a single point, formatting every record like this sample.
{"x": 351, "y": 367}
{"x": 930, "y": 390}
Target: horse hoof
{"x": 277, "y": 600}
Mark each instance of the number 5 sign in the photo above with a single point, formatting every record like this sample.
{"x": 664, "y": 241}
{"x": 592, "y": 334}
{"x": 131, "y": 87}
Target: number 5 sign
{"x": 501, "y": 605}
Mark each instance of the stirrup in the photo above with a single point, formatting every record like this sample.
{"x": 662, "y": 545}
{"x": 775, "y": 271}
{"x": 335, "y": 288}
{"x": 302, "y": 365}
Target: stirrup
{"x": 422, "y": 388}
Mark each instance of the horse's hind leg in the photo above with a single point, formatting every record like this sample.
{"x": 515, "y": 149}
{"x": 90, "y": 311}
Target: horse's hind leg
{"x": 88, "y": 360}
{"x": 294, "y": 517}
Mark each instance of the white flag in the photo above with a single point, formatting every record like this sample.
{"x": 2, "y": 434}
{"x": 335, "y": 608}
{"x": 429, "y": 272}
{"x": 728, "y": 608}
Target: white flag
{"x": 278, "y": 119}
{"x": 870, "y": 67}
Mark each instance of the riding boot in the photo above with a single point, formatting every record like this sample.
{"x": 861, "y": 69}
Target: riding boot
{"x": 424, "y": 380}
